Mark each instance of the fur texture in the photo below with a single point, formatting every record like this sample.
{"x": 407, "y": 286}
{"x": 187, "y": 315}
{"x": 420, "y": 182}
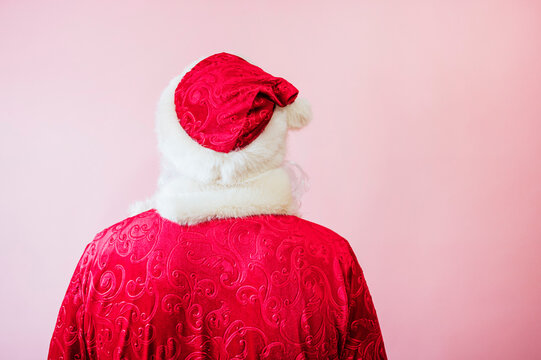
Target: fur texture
{"x": 299, "y": 113}
{"x": 187, "y": 202}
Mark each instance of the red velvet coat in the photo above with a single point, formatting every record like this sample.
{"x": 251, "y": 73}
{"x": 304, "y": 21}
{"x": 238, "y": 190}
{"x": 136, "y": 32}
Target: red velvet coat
{"x": 256, "y": 287}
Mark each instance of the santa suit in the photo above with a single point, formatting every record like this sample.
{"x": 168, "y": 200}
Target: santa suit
{"x": 219, "y": 269}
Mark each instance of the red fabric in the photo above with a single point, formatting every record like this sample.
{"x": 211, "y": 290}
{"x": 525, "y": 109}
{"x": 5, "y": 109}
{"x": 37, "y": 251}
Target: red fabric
{"x": 224, "y": 102}
{"x": 259, "y": 287}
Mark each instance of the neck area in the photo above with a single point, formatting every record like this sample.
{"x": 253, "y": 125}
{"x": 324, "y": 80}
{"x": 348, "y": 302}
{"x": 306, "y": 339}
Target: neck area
{"x": 188, "y": 202}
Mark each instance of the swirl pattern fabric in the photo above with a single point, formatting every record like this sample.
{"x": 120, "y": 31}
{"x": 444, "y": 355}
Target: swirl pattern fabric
{"x": 258, "y": 287}
{"x": 225, "y": 102}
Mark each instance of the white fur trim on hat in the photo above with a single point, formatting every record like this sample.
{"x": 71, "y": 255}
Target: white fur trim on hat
{"x": 299, "y": 113}
{"x": 208, "y": 166}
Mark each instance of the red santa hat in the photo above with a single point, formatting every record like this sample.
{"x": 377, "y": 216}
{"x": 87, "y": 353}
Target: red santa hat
{"x": 224, "y": 120}
{"x": 224, "y": 102}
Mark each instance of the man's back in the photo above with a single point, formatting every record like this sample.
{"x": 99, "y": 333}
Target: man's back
{"x": 217, "y": 264}
{"x": 257, "y": 287}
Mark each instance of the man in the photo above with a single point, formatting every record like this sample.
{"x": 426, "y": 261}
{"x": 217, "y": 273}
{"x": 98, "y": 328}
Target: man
{"x": 217, "y": 265}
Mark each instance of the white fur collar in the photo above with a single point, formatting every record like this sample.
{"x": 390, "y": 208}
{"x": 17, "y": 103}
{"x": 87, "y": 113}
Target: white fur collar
{"x": 187, "y": 202}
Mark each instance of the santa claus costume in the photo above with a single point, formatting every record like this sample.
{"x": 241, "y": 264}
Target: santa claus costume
{"x": 218, "y": 264}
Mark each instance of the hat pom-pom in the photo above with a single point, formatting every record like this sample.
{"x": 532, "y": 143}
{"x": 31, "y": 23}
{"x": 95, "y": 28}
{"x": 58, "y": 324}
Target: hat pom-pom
{"x": 299, "y": 113}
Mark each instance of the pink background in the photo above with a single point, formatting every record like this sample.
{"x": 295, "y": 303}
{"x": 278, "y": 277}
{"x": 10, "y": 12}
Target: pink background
{"x": 425, "y": 149}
